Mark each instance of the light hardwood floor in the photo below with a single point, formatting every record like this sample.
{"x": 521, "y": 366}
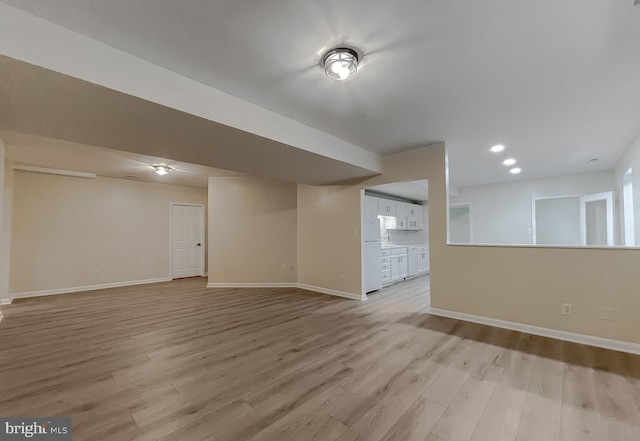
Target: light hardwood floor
{"x": 178, "y": 362}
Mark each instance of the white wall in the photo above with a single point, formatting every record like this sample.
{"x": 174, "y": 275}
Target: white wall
{"x": 65, "y": 229}
{"x": 631, "y": 158}
{"x": 502, "y": 213}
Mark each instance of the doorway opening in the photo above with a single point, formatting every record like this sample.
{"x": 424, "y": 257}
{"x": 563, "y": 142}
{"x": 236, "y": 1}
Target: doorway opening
{"x": 573, "y": 220}
{"x": 395, "y": 236}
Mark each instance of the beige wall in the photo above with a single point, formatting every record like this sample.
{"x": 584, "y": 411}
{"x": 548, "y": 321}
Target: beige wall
{"x": 519, "y": 284}
{"x": 329, "y": 243}
{"x": 528, "y": 285}
{"x": 252, "y": 231}
{"x": 67, "y": 228}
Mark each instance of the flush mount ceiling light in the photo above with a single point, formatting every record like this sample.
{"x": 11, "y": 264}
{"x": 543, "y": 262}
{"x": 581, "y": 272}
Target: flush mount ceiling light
{"x": 162, "y": 169}
{"x": 497, "y": 148}
{"x": 515, "y": 170}
{"x": 340, "y": 63}
{"x": 509, "y": 161}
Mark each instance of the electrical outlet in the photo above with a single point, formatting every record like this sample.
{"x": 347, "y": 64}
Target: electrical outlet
{"x": 342, "y": 277}
{"x": 284, "y": 267}
{"x": 567, "y": 309}
{"x": 97, "y": 272}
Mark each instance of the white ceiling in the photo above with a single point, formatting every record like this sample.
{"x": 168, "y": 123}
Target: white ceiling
{"x": 556, "y": 81}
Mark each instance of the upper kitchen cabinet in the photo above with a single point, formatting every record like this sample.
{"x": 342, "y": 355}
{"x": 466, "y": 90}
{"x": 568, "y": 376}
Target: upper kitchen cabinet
{"x": 415, "y": 216}
{"x": 386, "y": 207}
{"x": 409, "y": 216}
{"x": 401, "y": 215}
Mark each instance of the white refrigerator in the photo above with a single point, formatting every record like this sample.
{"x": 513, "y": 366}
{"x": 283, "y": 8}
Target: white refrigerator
{"x": 371, "y": 237}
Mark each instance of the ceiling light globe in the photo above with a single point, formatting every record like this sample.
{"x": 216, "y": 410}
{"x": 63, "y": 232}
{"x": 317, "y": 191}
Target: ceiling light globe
{"x": 340, "y": 63}
{"x": 161, "y": 169}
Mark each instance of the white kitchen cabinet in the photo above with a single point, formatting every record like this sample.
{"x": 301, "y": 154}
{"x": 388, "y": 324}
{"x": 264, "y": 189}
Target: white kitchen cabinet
{"x": 386, "y": 207}
{"x": 408, "y": 216}
{"x": 415, "y": 215}
{"x": 398, "y": 263}
{"x": 423, "y": 260}
{"x": 385, "y": 261}
{"x": 401, "y": 215}
{"x": 414, "y": 261}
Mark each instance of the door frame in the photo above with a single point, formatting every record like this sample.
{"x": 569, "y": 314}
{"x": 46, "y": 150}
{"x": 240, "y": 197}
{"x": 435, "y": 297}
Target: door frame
{"x": 201, "y": 232}
{"x": 606, "y": 196}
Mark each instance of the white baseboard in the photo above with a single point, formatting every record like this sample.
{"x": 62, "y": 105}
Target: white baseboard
{"x": 50, "y": 292}
{"x": 5, "y": 301}
{"x": 332, "y": 292}
{"x": 252, "y": 285}
{"x": 589, "y": 340}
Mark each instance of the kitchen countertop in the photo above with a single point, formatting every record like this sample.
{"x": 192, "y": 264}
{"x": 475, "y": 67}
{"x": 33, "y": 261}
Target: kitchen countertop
{"x": 389, "y": 246}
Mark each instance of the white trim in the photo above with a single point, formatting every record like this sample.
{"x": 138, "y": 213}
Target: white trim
{"x": 54, "y": 171}
{"x": 590, "y": 340}
{"x": 333, "y": 292}
{"x": 6, "y": 301}
{"x": 363, "y": 270}
{"x": 201, "y": 232}
{"x": 49, "y": 292}
{"x": 321, "y": 290}
{"x": 253, "y": 285}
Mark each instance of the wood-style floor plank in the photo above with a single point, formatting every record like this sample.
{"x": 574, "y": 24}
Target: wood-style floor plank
{"x": 176, "y": 361}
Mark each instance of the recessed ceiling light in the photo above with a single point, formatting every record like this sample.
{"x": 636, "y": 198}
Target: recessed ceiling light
{"x": 340, "y": 63}
{"x": 509, "y": 161}
{"x": 497, "y": 148}
{"x": 515, "y": 170}
{"x": 162, "y": 169}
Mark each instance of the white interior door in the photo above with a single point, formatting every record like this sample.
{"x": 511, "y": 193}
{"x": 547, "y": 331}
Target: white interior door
{"x": 596, "y": 219}
{"x": 187, "y": 240}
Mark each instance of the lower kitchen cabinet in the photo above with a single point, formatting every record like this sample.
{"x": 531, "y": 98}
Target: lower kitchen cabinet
{"x": 399, "y": 263}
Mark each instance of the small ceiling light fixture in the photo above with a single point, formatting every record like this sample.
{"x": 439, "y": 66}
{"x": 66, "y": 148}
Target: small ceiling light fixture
{"x": 340, "y": 63}
{"x": 162, "y": 169}
{"x": 509, "y": 161}
{"x": 515, "y": 170}
{"x": 497, "y": 148}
